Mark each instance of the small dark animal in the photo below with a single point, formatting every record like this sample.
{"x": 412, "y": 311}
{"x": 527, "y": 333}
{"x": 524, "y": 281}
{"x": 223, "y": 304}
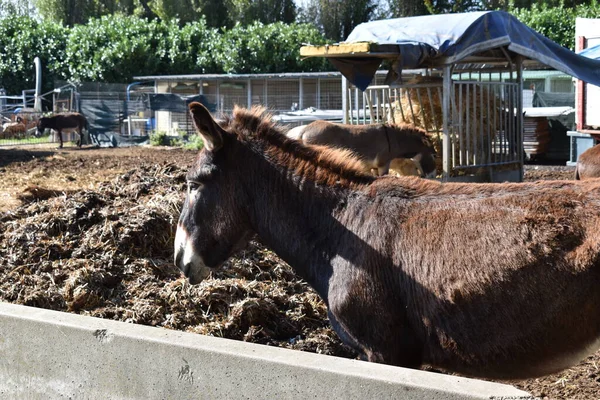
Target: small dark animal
{"x": 489, "y": 280}
{"x": 67, "y": 122}
{"x": 375, "y": 145}
{"x": 588, "y": 164}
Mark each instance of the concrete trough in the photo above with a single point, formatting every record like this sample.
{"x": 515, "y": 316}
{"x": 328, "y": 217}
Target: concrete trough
{"x": 48, "y": 354}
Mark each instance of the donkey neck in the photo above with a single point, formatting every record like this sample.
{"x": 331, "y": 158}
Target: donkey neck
{"x": 296, "y": 217}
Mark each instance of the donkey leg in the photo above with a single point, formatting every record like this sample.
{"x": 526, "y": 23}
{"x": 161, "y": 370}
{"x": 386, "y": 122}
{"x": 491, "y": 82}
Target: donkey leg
{"x": 80, "y": 137}
{"x": 60, "y": 139}
{"x": 384, "y": 337}
{"x": 344, "y": 336}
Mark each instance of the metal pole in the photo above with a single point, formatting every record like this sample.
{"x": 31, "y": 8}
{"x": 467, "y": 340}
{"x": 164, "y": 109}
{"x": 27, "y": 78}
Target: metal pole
{"x": 37, "y": 104}
{"x": 345, "y": 100}
{"x": 519, "y": 133}
{"x": 446, "y": 93}
{"x": 249, "y": 93}
{"x": 301, "y": 94}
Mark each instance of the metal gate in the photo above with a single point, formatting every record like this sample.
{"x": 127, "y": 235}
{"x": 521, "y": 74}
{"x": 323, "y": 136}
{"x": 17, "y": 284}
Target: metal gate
{"x": 475, "y": 128}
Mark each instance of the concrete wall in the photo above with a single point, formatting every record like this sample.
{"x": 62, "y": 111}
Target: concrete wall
{"x": 48, "y": 354}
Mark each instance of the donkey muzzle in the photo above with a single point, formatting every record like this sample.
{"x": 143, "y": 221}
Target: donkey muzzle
{"x": 187, "y": 259}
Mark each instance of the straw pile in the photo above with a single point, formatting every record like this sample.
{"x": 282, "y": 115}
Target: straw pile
{"x": 405, "y": 167}
{"x": 108, "y": 253}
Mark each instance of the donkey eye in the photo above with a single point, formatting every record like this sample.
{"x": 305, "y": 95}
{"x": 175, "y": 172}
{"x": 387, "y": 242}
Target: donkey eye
{"x": 193, "y": 186}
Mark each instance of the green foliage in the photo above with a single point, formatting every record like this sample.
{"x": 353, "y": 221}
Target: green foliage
{"x": 76, "y": 12}
{"x": 556, "y": 23}
{"x": 114, "y": 48}
{"x": 16, "y": 7}
{"x": 22, "y": 38}
{"x": 191, "y": 49}
{"x": 194, "y": 142}
{"x": 266, "y": 11}
{"x": 337, "y": 18}
{"x": 260, "y": 48}
{"x": 182, "y": 10}
{"x": 159, "y": 138}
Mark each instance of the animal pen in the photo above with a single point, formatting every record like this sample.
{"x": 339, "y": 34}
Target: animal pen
{"x": 484, "y": 123}
{"x": 467, "y": 93}
{"x": 19, "y": 114}
{"x": 291, "y": 97}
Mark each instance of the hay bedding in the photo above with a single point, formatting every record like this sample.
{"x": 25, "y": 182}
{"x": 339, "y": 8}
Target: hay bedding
{"x": 107, "y": 252}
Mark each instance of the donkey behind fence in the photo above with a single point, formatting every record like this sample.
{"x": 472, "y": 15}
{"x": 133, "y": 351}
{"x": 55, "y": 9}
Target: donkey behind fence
{"x": 376, "y": 145}
{"x": 488, "y": 280}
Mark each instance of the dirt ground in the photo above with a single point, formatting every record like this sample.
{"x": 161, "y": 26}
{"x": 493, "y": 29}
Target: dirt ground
{"x": 90, "y": 231}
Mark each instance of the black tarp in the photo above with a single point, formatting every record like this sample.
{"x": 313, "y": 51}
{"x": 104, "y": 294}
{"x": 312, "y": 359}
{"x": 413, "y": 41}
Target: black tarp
{"x": 104, "y": 119}
{"x": 547, "y": 99}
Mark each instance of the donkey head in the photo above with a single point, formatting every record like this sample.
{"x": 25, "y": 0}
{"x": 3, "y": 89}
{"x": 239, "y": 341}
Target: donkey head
{"x": 413, "y": 142}
{"x": 212, "y": 224}
{"x": 41, "y": 126}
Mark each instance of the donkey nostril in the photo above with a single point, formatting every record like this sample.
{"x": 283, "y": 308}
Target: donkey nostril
{"x": 179, "y": 263}
{"x": 186, "y": 269}
{"x": 178, "y": 257}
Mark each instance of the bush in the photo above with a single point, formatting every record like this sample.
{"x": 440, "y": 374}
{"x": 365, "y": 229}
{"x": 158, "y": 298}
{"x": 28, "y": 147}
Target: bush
{"x": 159, "y": 138}
{"x": 272, "y": 48}
{"x": 114, "y": 48}
{"x": 194, "y": 142}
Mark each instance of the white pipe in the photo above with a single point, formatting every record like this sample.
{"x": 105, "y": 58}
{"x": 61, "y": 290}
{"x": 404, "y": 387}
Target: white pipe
{"x": 37, "y": 105}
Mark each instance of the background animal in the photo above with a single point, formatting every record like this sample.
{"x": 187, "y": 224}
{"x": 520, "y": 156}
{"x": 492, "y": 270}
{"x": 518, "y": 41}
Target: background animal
{"x": 15, "y": 129}
{"x": 488, "y": 280}
{"x": 67, "y": 122}
{"x": 588, "y": 164}
{"x": 375, "y": 145}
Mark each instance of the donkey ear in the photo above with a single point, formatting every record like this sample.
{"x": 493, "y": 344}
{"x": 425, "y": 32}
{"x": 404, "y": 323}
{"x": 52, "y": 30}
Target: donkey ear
{"x": 206, "y": 126}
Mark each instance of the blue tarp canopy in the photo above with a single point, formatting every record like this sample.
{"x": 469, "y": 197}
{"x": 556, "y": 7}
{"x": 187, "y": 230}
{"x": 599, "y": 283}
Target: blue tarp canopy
{"x": 477, "y": 37}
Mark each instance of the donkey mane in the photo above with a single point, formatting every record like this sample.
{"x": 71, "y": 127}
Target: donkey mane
{"x": 321, "y": 164}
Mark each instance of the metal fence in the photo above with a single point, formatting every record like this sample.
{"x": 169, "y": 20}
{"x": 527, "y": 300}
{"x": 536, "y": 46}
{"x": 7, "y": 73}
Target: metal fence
{"x": 19, "y": 118}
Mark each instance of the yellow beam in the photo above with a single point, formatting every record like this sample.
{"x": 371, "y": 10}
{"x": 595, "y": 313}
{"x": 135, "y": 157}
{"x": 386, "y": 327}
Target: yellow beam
{"x": 357, "y": 49}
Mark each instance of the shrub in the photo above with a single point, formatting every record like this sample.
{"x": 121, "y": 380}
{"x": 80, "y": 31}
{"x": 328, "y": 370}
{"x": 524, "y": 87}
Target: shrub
{"x": 159, "y": 138}
{"x": 114, "y": 48}
{"x": 194, "y": 142}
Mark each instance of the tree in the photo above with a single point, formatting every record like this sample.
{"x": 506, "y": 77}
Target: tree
{"x": 215, "y": 12}
{"x": 22, "y": 38}
{"x": 337, "y": 18}
{"x": 16, "y": 7}
{"x": 265, "y": 11}
{"x": 407, "y": 8}
{"x": 74, "y": 12}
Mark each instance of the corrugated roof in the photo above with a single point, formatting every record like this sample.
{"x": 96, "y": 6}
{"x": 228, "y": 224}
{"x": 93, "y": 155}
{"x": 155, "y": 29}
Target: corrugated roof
{"x": 221, "y": 77}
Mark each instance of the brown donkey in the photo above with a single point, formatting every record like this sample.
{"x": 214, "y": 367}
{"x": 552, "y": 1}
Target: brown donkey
{"x": 488, "y": 280}
{"x": 375, "y": 145}
{"x": 588, "y": 164}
